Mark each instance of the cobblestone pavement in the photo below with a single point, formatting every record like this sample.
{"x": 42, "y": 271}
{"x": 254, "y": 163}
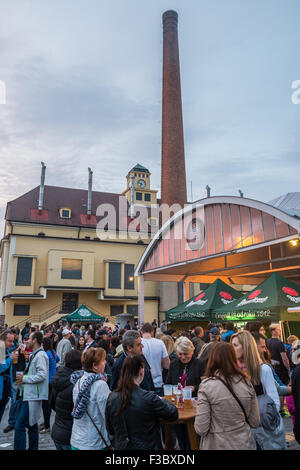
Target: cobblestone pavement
{"x": 46, "y": 443}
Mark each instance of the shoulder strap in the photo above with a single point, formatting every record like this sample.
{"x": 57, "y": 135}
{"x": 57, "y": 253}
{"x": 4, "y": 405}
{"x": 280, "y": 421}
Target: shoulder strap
{"x": 237, "y": 399}
{"x": 30, "y": 361}
{"x": 98, "y": 430}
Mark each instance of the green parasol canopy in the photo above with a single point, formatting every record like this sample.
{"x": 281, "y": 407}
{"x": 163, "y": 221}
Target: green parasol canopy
{"x": 201, "y": 307}
{"x": 83, "y": 314}
{"x": 269, "y": 300}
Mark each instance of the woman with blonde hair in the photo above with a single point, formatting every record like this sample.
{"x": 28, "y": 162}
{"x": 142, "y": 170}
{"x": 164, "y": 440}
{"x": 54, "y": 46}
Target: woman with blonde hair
{"x": 262, "y": 379}
{"x": 187, "y": 371}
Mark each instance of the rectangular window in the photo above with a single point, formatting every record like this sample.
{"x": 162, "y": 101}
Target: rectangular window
{"x": 132, "y": 310}
{"x": 129, "y": 276}
{"x": 147, "y": 197}
{"x": 24, "y": 270}
{"x": 21, "y": 310}
{"x": 69, "y": 302}
{"x": 116, "y": 310}
{"x": 114, "y": 280}
{"x": 139, "y": 196}
{"x": 71, "y": 268}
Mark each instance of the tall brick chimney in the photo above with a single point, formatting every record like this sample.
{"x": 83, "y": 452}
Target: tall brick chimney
{"x": 173, "y": 177}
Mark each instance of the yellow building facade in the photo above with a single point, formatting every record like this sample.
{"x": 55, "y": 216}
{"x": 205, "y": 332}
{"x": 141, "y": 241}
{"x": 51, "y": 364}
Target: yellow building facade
{"x": 57, "y": 256}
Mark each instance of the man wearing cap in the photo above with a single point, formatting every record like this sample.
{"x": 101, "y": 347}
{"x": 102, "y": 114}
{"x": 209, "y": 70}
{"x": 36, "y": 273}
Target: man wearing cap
{"x": 64, "y": 346}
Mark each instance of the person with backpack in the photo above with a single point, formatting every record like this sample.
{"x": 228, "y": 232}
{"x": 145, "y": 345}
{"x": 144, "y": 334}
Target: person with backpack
{"x": 270, "y": 435}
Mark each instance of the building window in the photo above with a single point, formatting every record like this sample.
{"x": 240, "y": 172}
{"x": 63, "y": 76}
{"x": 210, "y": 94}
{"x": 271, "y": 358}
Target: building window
{"x": 71, "y": 268}
{"x": 153, "y": 221}
{"x": 65, "y": 213}
{"x": 147, "y": 197}
{"x": 24, "y": 270}
{"x": 116, "y": 310}
{"x": 139, "y": 196}
{"x": 132, "y": 310}
{"x": 21, "y": 310}
{"x": 114, "y": 277}
{"x": 129, "y": 276}
{"x": 69, "y": 302}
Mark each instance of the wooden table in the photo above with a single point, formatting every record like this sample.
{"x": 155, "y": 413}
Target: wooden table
{"x": 185, "y": 416}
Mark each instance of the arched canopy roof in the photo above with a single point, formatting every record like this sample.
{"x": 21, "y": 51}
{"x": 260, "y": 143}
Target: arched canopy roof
{"x": 229, "y": 226}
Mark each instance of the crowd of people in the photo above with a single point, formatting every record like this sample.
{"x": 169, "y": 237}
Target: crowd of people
{"x": 105, "y": 385}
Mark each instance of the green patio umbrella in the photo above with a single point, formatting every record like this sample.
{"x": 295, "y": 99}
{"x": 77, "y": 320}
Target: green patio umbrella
{"x": 201, "y": 306}
{"x": 268, "y": 301}
{"x": 83, "y": 314}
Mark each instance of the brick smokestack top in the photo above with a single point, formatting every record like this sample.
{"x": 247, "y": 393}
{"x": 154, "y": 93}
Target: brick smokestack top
{"x": 173, "y": 177}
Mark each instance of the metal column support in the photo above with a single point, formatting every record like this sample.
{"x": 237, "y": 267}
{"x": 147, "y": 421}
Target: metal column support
{"x": 141, "y": 300}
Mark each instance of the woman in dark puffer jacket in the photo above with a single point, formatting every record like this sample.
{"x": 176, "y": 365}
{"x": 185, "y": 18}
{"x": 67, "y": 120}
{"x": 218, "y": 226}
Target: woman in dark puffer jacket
{"x": 61, "y": 400}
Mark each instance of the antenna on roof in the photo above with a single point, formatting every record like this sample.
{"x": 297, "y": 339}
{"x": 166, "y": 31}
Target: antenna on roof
{"x": 42, "y": 187}
{"x": 241, "y": 193}
{"x": 89, "y": 204}
{"x": 208, "y": 190}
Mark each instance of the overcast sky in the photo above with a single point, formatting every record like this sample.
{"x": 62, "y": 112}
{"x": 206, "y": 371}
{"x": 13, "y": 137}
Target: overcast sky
{"x": 84, "y": 84}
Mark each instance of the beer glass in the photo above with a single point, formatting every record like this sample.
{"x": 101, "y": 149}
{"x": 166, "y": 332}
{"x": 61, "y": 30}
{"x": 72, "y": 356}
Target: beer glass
{"x": 187, "y": 398}
{"x": 168, "y": 392}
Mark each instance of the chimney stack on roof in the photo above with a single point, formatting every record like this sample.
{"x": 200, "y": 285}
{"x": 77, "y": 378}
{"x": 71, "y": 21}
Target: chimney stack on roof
{"x": 90, "y": 189}
{"x": 173, "y": 176}
{"x": 42, "y": 187}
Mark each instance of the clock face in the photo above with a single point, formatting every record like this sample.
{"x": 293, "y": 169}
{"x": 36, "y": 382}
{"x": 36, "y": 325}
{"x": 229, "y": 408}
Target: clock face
{"x": 141, "y": 183}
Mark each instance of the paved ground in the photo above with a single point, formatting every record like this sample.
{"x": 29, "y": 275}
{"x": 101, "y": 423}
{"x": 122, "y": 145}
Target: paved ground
{"x": 46, "y": 443}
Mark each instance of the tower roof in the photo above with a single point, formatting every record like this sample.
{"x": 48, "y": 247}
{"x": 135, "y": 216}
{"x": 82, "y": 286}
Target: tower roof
{"x": 139, "y": 167}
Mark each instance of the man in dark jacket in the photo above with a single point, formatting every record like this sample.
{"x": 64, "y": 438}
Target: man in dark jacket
{"x": 197, "y": 340}
{"x": 133, "y": 346}
{"x": 61, "y": 400}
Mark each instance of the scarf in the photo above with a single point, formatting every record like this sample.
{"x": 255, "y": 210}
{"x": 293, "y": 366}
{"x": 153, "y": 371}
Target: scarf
{"x": 83, "y": 397}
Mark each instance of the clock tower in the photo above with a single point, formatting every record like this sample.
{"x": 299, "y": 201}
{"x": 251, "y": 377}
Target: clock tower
{"x": 142, "y": 192}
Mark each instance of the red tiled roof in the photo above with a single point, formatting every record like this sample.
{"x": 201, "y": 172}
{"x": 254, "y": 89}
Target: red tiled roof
{"x": 25, "y": 207}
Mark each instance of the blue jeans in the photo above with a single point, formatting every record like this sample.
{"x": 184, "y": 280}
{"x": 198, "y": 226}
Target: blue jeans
{"x": 15, "y": 406}
{"x": 20, "y": 430}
